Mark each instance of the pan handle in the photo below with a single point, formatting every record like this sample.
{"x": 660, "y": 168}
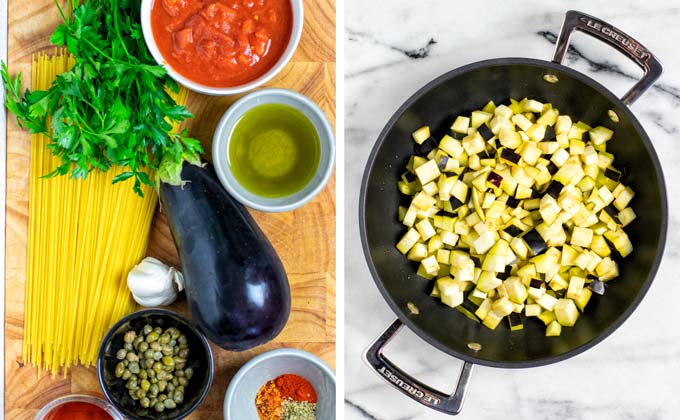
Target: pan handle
{"x": 618, "y": 39}
{"x": 408, "y": 385}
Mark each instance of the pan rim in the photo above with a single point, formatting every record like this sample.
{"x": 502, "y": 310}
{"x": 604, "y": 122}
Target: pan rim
{"x": 421, "y": 332}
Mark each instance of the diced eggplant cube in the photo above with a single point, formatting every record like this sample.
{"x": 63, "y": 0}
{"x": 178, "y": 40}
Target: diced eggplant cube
{"x": 510, "y": 156}
{"x": 597, "y": 286}
{"x": 566, "y": 312}
{"x": 535, "y": 283}
{"x": 549, "y": 133}
{"x": 535, "y": 242}
{"x": 613, "y": 212}
{"x": 425, "y": 147}
{"x": 495, "y": 179}
{"x": 585, "y": 137}
{"x": 485, "y": 131}
{"x": 515, "y": 321}
{"x": 512, "y": 202}
{"x": 554, "y": 329}
{"x": 513, "y": 230}
{"x": 456, "y": 135}
{"x": 612, "y": 174}
{"x": 455, "y": 203}
{"x": 552, "y": 168}
{"x": 421, "y": 134}
{"x": 554, "y": 189}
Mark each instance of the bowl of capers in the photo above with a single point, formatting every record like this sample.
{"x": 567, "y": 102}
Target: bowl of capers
{"x": 154, "y": 364}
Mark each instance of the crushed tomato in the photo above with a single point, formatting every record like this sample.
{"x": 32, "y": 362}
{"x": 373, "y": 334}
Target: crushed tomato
{"x": 221, "y": 43}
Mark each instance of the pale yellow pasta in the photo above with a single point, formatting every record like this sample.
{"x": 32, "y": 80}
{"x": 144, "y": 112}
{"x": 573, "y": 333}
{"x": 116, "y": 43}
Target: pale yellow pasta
{"x": 83, "y": 238}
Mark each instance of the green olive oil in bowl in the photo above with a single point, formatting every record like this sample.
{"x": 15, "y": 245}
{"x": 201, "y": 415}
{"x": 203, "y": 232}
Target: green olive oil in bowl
{"x": 274, "y": 150}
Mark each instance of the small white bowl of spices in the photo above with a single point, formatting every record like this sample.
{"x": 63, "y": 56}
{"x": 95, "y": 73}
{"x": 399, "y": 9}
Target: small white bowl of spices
{"x": 285, "y": 384}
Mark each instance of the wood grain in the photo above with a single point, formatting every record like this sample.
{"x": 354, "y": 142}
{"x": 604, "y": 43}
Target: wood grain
{"x": 304, "y": 239}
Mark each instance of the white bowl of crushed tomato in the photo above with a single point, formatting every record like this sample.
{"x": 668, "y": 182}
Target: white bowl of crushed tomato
{"x": 222, "y": 47}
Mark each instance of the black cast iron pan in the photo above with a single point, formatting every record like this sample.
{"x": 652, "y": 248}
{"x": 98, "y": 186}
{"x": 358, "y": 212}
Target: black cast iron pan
{"x": 459, "y": 92}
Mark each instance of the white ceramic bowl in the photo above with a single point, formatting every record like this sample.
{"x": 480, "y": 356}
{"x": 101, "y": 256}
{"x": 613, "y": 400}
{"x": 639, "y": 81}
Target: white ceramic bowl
{"x": 220, "y": 149}
{"x": 298, "y": 19}
{"x": 239, "y": 402}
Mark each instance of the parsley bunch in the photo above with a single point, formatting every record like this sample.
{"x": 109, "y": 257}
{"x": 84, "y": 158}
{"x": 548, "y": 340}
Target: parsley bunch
{"x": 112, "y": 107}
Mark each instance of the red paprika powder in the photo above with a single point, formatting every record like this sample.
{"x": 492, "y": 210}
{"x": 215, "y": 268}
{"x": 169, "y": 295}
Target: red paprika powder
{"x": 296, "y": 388}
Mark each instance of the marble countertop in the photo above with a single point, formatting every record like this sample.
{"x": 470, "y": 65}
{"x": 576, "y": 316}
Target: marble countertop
{"x": 392, "y": 49}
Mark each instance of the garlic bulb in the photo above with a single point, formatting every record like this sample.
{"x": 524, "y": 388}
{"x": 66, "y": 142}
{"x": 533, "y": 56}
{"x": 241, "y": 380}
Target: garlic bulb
{"x": 153, "y": 283}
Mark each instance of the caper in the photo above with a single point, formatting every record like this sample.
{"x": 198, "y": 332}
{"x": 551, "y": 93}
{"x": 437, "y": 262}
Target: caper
{"x": 138, "y": 340}
{"x": 129, "y": 336}
{"x": 144, "y": 402}
{"x": 178, "y": 373}
{"x": 165, "y": 338}
{"x": 173, "y": 343}
{"x": 189, "y": 372}
{"x": 162, "y": 397}
{"x": 184, "y": 353}
{"x": 134, "y": 367}
{"x": 150, "y": 373}
{"x": 132, "y": 384}
{"x": 120, "y": 354}
{"x": 178, "y": 396}
{"x": 148, "y": 354}
{"x": 180, "y": 389}
{"x": 159, "y": 407}
{"x": 182, "y": 381}
{"x": 133, "y": 394}
{"x": 154, "y": 389}
{"x": 158, "y": 366}
{"x": 171, "y": 387}
{"x": 153, "y": 401}
{"x": 157, "y": 355}
{"x": 132, "y": 357}
{"x": 141, "y": 393}
{"x": 128, "y": 346}
{"x": 167, "y": 350}
{"x": 151, "y": 337}
{"x": 142, "y": 374}
{"x": 148, "y": 363}
{"x": 162, "y": 384}
{"x": 147, "y": 329}
{"x": 158, "y": 330}
{"x": 182, "y": 339}
{"x": 169, "y": 403}
{"x": 168, "y": 361}
{"x": 155, "y": 346}
{"x": 120, "y": 368}
{"x": 174, "y": 333}
{"x": 143, "y": 346}
{"x": 126, "y": 374}
{"x": 175, "y": 381}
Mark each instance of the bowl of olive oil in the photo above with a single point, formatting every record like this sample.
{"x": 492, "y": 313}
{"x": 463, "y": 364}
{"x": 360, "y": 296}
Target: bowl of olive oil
{"x": 274, "y": 150}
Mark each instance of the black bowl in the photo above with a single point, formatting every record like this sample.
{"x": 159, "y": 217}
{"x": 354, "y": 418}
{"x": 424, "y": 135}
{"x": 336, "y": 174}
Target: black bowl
{"x": 200, "y": 359}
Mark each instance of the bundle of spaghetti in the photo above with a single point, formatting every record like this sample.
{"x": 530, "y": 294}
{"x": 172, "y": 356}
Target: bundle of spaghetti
{"x": 84, "y": 236}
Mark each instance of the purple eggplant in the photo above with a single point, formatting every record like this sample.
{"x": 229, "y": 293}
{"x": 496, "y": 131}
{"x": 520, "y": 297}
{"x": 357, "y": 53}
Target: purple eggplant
{"x": 236, "y": 286}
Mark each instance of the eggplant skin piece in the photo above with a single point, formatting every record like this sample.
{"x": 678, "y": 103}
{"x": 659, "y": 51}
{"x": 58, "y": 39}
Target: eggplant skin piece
{"x": 426, "y": 147}
{"x": 236, "y": 286}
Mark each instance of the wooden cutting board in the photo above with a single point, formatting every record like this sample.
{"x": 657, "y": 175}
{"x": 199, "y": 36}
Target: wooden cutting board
{"x": 304, "y": 239}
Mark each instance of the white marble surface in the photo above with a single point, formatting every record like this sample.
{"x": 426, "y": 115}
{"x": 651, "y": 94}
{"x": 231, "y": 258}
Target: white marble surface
{"x": 635, "y": 373}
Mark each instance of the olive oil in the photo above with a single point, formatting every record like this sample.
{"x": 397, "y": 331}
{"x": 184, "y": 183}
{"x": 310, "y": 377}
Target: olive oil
{"x": 274, "y": 150}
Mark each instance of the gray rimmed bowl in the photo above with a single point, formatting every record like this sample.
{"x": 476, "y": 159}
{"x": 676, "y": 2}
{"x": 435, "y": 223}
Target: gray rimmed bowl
{"x": 239, "y": 402}
{"x": 220, "y": 149}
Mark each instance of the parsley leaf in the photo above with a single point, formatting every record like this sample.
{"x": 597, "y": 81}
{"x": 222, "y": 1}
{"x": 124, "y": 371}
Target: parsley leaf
{"x": 113, "y": 106}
